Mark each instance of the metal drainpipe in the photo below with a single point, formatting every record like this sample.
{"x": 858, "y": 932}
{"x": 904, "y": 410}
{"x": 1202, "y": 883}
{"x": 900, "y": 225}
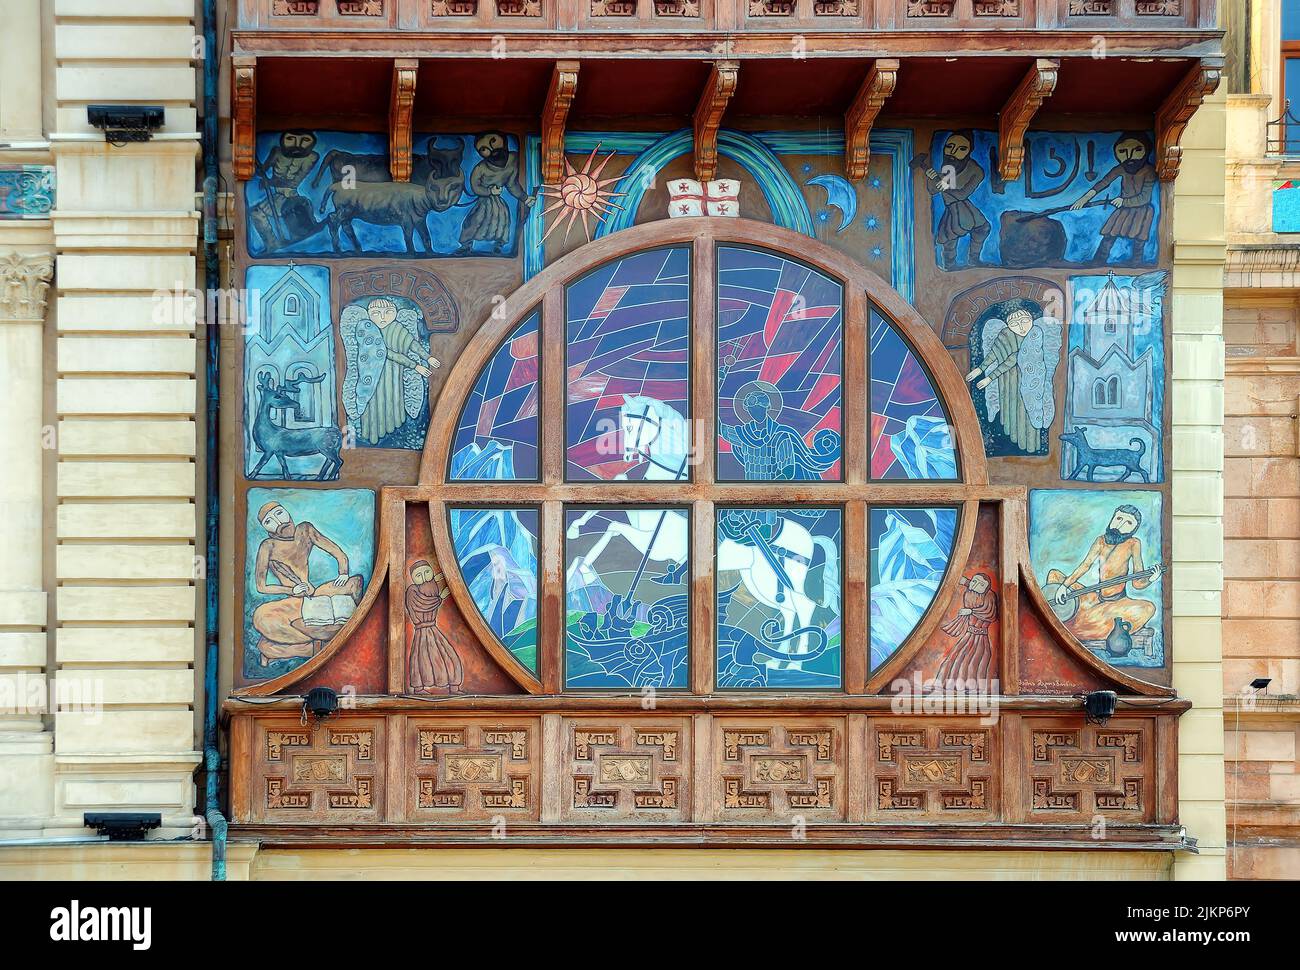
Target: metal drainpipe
{"x": 212, "y": 577}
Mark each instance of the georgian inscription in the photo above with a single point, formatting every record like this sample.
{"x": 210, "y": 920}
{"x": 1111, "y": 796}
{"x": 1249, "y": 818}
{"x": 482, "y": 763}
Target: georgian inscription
{"x": 771, "y": 773}
{"x": 943, "y": 771}
{"x": 626, "y": 771}
{"x": 472, "y": 771}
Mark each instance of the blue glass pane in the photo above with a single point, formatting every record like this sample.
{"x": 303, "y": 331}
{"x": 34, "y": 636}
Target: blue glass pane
{"x": 1291, "y": 22}
{"x": 909, "y": 555}
{"x": 910, "y": 433}
{"x": 778, "y": 589}
{"x": 627, "y": 603}
{"x": 496, "y": 437}
{"x": 497, "y": 552}
{"x": 1291, "y": 83}
{"x": 628, "y": 370}
{"x": 780, "y": 352}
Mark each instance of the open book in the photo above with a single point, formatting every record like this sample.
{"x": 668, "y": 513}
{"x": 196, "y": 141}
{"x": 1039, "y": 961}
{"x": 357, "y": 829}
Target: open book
{"x": 327, "y": 610}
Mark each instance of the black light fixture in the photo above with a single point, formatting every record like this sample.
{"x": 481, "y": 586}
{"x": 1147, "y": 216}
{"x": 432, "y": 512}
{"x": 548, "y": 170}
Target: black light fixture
{"x": 122, "y": 123}
{"x": 1260, "y": 683}
{"x": 122, "y": 826}
{"x": 320, "y": 702}
{"x": 1099, "y": 706}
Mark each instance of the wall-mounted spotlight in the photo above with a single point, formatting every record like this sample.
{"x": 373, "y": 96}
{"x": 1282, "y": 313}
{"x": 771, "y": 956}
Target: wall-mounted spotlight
{"x": 320, "y": 702}
{"x": 122, "y": 826}
{"x": 1261, "y": 683}
{"x": 122, "y": 123}
{"x": 1099, "y": 706}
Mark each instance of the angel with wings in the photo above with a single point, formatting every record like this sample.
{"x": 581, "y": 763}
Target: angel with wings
{"x": 386, "y": 380}
{"x": 1021, "y": 350}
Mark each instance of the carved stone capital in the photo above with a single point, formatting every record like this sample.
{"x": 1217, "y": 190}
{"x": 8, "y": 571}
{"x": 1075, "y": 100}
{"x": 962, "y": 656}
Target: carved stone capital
{"x": 24, "y": 282}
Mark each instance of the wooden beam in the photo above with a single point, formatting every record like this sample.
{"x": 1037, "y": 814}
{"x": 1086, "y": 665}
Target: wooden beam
{"x": 1013, "y": 120}
{"x": 1172, "y": 118}
{"x": 400, "y": 109}
{"x": 708, "y": 116}
{"x": 877, "y": 87}
{"x": 243, "y": 116}
{"x": 564, "y": 85}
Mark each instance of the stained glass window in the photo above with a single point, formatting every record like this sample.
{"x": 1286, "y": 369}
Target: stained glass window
{"x": 911, "y": 436}
{"x": 909, "y": 555}
{"x": 779, "y": 357}
{"x": 497, "y": 552}
{"x": 627, "y": 608}
{"x": 496, "y": 437}
{"x": 628, "y": 370}
{"x": 778, "y": 598}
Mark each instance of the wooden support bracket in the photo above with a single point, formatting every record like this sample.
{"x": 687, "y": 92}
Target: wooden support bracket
{"x": 708, "y": 116}
{"x": 1172, "y": 118}
{"x": 1015, "y": 116}
{"x": 877, "y": 87}
{"x": 564, "y": 85}
{"x": 400, "y": 109}
{"x": 243, "y": 116}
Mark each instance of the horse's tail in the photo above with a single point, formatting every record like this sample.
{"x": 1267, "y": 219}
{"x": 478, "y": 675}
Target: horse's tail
{"x": 770, "y": 640}
{"x": 830, "y": 572}
{"x": 1141, "y": 445}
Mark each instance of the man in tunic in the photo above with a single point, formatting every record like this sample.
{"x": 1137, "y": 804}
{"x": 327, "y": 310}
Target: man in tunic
{"x": 1134, "y": 213}
{"x": 1002, "y": 364}
{"x": 1117, "y": 553}
{"x": 434, "y": 663}
{"x": 767, "y": 450}
{"x": 284, "y": 216}
{"x": 386, "y": 410}
{"x": 285, "y": 556}
{"x": 971, "y": 655}
{"x": 954, "y": 183}
{"x": 489, "y": 218}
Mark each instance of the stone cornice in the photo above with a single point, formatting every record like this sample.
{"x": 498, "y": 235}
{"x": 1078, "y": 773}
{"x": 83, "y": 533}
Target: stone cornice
{"x": 24, "y": 283}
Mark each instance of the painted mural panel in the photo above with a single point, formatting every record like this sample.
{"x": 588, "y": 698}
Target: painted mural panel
{"x": 497, "y": 435}
{"x": 628, "y": 370}
{"x": 329, "y": 193}
{"x": 1084, "y": 199}
{"x": 626, "y": 596}
{"x": 780, "y": 362}
{"x": 290, "y": 421}
{"x": 909, "y": 556}
{"x": 1097, "y": 556}
{"x": 1115, "y": 394}
{"x": 308, "y": 558}
{"x": 497, "y": 552}
{"x": 778, "y": 598}
{"x": 911, "y": 436}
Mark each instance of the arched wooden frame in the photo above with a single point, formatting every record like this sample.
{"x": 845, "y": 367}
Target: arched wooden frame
{"x": 855, "y": 494}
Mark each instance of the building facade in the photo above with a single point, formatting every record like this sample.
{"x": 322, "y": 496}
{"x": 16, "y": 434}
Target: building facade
{"x": 746, "y": 452}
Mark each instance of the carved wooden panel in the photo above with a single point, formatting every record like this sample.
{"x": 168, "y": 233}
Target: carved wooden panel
{"x": 773, "y": 771}
{"x": 627, "y": 770}
{"x": 470, "y": 769}
{"x": 326, "y": 772}
{"x": 923, "y": 770}
{"x": 1074, "y": 772}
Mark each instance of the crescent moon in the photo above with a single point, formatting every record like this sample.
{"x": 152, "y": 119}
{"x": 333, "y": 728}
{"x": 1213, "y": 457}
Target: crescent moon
{"x": 841, "y": 194}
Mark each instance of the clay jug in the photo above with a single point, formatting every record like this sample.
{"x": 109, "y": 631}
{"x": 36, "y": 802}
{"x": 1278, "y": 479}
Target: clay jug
{"x": 1120, "y": 640}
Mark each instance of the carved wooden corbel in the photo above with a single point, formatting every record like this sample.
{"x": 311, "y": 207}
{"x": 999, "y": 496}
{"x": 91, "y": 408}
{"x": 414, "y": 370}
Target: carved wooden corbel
{"x": 400, "y": 109}
{"x": 559, "y": 97}
{"x": 1172, "y": 118}
{"x": 708, "y": 116}
{"x": 1019, "y": 111}
{"x": 243, "y": 116}
{"x": 861, "y": 115}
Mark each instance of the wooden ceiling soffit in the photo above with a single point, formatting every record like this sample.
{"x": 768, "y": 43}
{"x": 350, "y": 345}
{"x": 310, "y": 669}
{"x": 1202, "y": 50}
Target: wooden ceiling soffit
{"x": 243, "y": 116}
{"x": 708, "y": 116}
{"x": 559, "y": 98}
{"x": 1171, "y": 120}
{"x": 400, "y": 109}
{"x": 871, "y": 97}
{"x": 1013, "y": 120}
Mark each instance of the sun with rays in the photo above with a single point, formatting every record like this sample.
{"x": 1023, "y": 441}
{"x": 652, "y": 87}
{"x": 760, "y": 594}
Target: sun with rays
{"x": 580, "y": 194}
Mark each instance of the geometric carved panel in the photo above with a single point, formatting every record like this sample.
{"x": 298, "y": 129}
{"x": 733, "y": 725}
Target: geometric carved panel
{"x": 770, "y": 771}
{"x": 469, "y": 769}
{"x": 923, "y": 770}
{"x": 627, "y": 771}
{"x": 1077, "y": 771}
{"x": 325, "y": 771}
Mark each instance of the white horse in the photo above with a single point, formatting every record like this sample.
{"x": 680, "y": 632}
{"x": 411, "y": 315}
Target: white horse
{"x": 653, "y": 434}
{"x": 793, "y": 547}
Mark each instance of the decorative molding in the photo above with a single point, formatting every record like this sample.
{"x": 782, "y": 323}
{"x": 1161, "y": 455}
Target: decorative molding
{"x": 243, "y": 116}
{"x": 26, "y": 191}
{"x": 708, "y": 116}
{"x": 1013, "y": 120}
{"x": 871, "y": 97}
{"x": 564, "y": 85}
{"x": 400, "y": 105}
{"x": 1172, "y": 118}
{"x": 24, "y": 283}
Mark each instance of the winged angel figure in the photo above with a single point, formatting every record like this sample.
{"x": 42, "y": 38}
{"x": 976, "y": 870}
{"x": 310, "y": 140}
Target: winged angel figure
{"x": 1020, "y": 357}
{"x": 385, "y": 382}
